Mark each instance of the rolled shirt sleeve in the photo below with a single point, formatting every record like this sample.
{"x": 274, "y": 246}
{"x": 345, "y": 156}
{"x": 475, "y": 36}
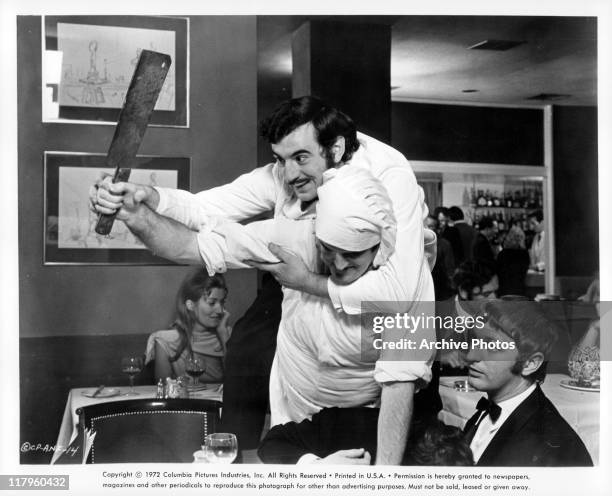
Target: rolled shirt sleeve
{"x": 228, "y": 245}
{"x": 415, "y": 333}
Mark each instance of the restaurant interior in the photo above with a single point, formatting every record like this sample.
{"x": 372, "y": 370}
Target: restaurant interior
{"x": 497, "y": 115}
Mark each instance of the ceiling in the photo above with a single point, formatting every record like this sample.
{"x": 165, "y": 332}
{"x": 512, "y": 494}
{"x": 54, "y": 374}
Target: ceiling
{"x": 431, "y": 59}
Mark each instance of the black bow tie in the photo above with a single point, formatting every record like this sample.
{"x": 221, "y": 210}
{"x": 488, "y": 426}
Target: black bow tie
{"x": 486, "y": 405}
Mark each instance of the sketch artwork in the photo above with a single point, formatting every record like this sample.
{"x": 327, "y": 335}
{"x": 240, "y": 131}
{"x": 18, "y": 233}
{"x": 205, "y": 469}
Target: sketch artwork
{"x": 98, "y": 63}
{"x": 76, "y": 222}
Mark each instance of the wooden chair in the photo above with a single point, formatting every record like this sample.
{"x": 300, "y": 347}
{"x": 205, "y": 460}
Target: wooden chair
{"x": 148, "y": 430}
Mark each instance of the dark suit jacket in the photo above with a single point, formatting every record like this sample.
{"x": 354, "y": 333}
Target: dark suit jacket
{"x": 248, "y": 361}
{"x": 451, "y": 234}
{"x": 535, "y": 435}
{"x": 512, "y": 265}
{"x": 482, "y": 249}
{"x": 467, "y": 234}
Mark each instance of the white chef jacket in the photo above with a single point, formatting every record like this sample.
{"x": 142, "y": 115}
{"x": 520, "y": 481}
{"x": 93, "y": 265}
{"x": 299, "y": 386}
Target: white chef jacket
{"x": 406, "y": 275}
{"x": 318, "y": 361}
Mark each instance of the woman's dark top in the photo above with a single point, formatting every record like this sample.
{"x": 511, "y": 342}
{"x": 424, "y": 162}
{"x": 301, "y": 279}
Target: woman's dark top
{"x": 512, "y": 265}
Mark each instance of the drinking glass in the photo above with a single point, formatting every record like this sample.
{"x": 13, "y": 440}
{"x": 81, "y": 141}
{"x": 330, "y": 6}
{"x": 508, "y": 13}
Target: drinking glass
{"x": 194, "y": 369}
{"x": 220, "y": 448}
{"x": 131, "y": 366}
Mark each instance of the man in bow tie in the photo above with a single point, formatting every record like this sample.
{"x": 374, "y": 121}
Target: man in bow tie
{"x": 516, "y": 425}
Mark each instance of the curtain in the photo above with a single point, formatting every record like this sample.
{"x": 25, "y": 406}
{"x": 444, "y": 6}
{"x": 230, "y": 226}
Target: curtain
{"x": 433, "y": 192}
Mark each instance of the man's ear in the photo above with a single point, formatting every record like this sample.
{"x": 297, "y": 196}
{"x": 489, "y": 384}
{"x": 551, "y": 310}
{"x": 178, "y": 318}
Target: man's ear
{"x": 337, "y": 150}
{"x": 532, "y": 364}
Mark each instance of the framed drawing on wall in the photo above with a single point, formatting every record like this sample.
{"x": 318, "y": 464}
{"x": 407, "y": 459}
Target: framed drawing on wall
{"x": 88, "y": 62}
{"x": 69, "y": 237}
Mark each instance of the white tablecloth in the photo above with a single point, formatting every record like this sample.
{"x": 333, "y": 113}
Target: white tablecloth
{"x": 70, "y": 422}
{"x": 579, "y": 408}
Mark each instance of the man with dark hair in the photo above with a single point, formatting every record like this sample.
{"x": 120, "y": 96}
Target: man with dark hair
{"x": 517, "y": 425}
{"x": 475, "y": 280}
{"x": 449, "y": 232}
{"x": 482, "y": 248}
{"x": 307, "y": 137}
{"x": 537, "y": 252}
{"x": 445, "y": 262}
{"x": 442, "y": 445}
{"x": 441, "y": 215}
{"x": 466, "y": 232}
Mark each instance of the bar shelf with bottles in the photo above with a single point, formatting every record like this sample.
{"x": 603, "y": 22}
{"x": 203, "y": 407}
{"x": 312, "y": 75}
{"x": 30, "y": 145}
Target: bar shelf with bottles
{"x": 509, "y": 208}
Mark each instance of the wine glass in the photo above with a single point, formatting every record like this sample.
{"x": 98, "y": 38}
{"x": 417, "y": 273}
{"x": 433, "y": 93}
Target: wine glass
{"x": 194, "y": 369}
{"x": 131, "y": 366}
{"x": 220, "y": 448}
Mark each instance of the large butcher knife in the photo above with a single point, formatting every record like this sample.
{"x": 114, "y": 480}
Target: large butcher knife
{"x": 142, "y": 94}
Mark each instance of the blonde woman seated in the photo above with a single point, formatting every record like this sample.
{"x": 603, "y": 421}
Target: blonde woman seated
{"x": 199, "y": 331}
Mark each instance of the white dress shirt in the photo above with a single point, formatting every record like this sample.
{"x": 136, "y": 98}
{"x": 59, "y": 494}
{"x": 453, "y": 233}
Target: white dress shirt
{"x": 487, "y": 428}
{"x": 537, "y": 253}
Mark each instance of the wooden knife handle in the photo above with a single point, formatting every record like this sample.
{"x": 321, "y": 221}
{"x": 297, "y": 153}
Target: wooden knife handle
{"x": 105, "y": 221}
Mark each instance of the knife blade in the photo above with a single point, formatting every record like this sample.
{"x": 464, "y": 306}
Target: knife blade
{"x": 146, "y": 84}
{"x": 98, "y": 391}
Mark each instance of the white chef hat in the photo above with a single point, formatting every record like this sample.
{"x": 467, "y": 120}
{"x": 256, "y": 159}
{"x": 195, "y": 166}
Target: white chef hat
{"x": 354, "y": 212}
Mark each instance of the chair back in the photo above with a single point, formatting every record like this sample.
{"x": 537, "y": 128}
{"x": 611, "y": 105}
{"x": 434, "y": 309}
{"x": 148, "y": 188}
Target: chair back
{"x": 148, "y": 430}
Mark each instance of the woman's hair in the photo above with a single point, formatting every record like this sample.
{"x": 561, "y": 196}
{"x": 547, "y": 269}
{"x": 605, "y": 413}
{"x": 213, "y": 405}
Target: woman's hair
{"x": 195, "y": 285}
{"x": 515, "y": 238}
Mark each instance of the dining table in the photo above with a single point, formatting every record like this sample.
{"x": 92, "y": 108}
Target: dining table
{"x": 578, "y": 406}
{"x": 80, "y": 397}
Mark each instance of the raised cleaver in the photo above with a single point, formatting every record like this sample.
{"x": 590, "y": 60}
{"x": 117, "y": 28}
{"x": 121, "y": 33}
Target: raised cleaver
{"x": 142, "y": 94}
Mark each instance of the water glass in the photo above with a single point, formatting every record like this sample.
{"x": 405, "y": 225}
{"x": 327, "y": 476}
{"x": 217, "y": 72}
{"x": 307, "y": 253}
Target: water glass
{"x": 220, "y": 448}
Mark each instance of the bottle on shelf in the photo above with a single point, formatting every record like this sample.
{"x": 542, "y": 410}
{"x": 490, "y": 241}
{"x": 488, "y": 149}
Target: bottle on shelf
{"x": 540, "y": 199}
{"x": 481, "y": 201}
{"x": 466, "y": 197}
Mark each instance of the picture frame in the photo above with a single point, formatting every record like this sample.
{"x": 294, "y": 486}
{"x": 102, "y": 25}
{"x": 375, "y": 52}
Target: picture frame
{"x": 88, "y": 62}
{"x": 69, "y": 236}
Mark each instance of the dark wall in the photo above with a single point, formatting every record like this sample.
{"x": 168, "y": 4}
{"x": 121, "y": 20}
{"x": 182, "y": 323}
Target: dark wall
{"x": 221, "y": 140}
{"x": 462, "y": 133}
{"x": 576, "y": 190}
{"x": 359, "y": 57}
{"x": 458, "y": 133}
